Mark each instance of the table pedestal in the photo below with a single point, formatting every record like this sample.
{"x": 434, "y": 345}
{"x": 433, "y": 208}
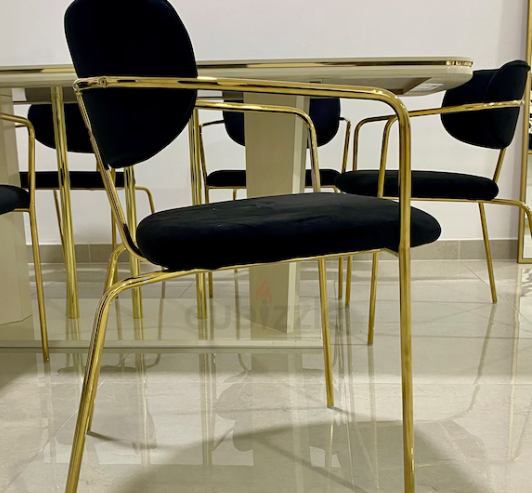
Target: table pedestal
{"x": 275, "y": 165}
{"x": 15, "y": 299}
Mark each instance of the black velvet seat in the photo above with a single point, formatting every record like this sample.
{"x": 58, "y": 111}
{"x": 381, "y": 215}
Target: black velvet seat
{"x": 425, "y": 185}
{"x": 272, "y": 229}
{"x": 236, "y": 178}
{"x": 326, "y": 116}
{"x": 12, "y": 198}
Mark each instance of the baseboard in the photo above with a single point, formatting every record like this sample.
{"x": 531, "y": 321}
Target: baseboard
{"x": 441, "y": 250}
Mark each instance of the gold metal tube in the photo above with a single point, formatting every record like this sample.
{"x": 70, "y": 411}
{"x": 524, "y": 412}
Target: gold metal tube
{"x": 346, "y": 143}
{"x": 384, "y": 155}
{"x": 134, "y": 262}
{"x": 150, "y": 197}
{"x": 340, "y": 277}
{"x": 373, "y": 297}
{"x": 195, "y": 158}
{"x": 66, "y": 205}
{"x": 488, "y": 252}
{"x": 59, "y": 221}
{"x": 348, "y": 280}
{"x": 324, "y": 305}
{"x": 498, "y": 168}
{"x": 35, "y": 243}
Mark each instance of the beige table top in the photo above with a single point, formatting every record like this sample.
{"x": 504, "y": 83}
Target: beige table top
{"x": 405, "y": 76}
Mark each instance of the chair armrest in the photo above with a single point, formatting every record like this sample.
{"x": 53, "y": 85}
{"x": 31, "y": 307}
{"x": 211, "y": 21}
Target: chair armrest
{"x": 346, "y": 142}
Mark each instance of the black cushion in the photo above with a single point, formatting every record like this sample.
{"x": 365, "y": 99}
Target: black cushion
{"x": 80, "y": 180}
{"x": 12, "y": 198}
{"x": 493, "y": 129}
{"x": 78, "y": 139}
{"x": 132, "y": 38}
{"x": 425, "y": 184}
{"x": 325, "y": 114}
{"x": 271, "y": 229}
{"x": 229, "y": 178}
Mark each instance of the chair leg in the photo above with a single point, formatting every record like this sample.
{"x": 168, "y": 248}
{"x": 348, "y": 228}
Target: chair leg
{"x": 39, "y": 283}
{"x": 373, "y": 297}
{"x": 59, "y": 220}
{"x": 340, "y": 277}
{"x": 88, "y": 394}
{"x": 488, "y": 252}
{"x": 234, "y": 198}
{"x": 209, "y": 275}
{"x": 406, "y": 370}
{"x": 348, "y": 280}
{"x": 325, "y": 332}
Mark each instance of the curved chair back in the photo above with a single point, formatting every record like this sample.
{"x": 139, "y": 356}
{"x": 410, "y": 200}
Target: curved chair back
{"x": 132, "y": 38}
{"x": 493, "y": 129}
{"x": 325, "y": 113}
{"x": 78, "y": 139}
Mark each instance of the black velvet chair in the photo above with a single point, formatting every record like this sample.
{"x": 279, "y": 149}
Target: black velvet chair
{"x": 22, "y": 199}
{"x": 326, "y": 116}
{"x": 78, "y": 141}
{"x": 138, "y": 93}
{"x": 483, "y": 113}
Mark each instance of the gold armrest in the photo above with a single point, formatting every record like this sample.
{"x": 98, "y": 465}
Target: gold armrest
{"x": 346, "y": 142}
{"x": 263, "y": 87}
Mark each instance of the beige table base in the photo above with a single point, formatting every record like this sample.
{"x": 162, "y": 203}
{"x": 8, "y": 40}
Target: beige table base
{"x": 275, "y": 165}
{"x": 15, "y": 299}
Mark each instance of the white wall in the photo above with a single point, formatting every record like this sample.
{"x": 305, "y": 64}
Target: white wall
{"x": 489, "y": 31}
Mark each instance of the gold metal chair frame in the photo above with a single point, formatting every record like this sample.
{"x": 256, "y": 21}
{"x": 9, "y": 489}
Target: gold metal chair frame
{"x": 33, "y": 227}
{"x": 390, "y": 119}
{"x": 207, "y": 188}
{"x": 128, "y": 233}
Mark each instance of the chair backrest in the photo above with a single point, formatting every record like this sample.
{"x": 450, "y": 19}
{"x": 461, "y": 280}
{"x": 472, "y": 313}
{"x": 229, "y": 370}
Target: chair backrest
{"x": 493, "y": 129}
{"x": 325, "y": 114}
{"x": 132, "y": 38}
{"x": 78, "y": 139}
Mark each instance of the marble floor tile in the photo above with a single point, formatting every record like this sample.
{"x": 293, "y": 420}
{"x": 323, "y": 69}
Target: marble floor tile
{"x": 232, "y": 419}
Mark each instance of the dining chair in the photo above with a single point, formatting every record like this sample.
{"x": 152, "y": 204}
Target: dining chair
{"x": 78, "y": 141}
{"x": 325, "y": 113}
{"x": 144, "y": 70}
{"x": 22, "y": 199}
{"x": 483, "y": 113}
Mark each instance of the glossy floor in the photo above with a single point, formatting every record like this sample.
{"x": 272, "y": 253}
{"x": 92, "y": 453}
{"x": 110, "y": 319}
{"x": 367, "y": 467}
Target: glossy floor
{"x": 193, "y": 420}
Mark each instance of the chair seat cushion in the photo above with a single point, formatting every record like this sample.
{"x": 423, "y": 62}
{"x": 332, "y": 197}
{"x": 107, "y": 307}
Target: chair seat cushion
{"x": 12, "y": 198}
{"x": 229, "y": 178}
{"x": 79, "y": 180}
{"x": 425, "y": 185}
{"x": 270, "y": 229}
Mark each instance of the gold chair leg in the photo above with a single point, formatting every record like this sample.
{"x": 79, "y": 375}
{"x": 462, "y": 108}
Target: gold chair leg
{"x": 373, "y": 297}
{"x": 66, "y": 205}
{"x": 59, "y": 221}
{"x": 325, "y": 332}
{"x": 211, "y": 285}
{"x": 348, "y": 280}
{"x": 488, "y": 252}
{"x": 234, "y": 198}
{"x": 406, "y": 370}
{"x": 114, "y": 243}
{"x": 88, "y": 393}
{"x": 39, "y": 283}
{"x": 111, "y": 275}
{"x": 340, "y": 277}
{"x": 134, "y": 263}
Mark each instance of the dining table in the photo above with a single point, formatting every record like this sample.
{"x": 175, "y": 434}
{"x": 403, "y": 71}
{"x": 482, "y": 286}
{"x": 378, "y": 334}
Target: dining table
{"x": 275, "y": 157}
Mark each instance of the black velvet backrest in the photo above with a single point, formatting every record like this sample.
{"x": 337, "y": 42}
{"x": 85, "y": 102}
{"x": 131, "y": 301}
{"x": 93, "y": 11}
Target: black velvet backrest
{"x": 493, "y": 129}
{"x": 78, "y": 139}
{"x": 325, "y": 114}
{"x": 132, "y": 38}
